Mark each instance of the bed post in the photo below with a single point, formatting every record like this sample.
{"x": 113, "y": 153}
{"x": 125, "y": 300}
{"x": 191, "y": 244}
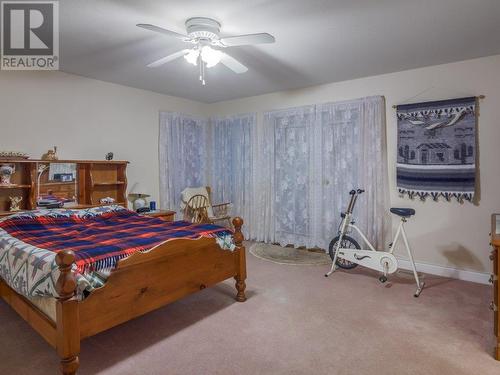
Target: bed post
{"x": 241, "y": 265}
{"x": 68, "y": 321}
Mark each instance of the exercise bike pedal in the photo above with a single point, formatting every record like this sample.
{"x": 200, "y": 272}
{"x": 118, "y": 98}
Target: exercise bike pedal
{"x": 419, "y": 290}
{"x": 382, "y": 279}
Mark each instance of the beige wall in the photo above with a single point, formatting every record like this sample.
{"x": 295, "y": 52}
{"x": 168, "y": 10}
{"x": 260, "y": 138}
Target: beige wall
{"x": 446, "y": 234}
{"x": 86, "y": 119}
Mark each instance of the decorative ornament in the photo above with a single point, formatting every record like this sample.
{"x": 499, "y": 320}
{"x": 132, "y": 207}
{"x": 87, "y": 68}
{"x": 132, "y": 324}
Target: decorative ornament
{"x": 13, "y": 155}
{"x": 109, "y": 156}
{"x": 50, "y": 154}
{"x": 14, "y": 203}
{"x": 107, "y": 200}
{"x": 6, "y": 172}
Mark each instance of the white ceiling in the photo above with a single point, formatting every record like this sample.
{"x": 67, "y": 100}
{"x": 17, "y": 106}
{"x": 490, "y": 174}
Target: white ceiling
{"x": 317, "y": 41}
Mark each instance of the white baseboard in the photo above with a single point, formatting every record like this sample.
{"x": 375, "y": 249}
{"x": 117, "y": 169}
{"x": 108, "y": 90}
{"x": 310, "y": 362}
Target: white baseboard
{"x": 475, "y": 277}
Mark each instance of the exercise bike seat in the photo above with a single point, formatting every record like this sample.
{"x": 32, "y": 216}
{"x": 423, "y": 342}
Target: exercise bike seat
{"x": 403, "y": 212}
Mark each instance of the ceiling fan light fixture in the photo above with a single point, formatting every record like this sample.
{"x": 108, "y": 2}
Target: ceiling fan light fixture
{"x": 192, "y": 56}
{"x": 210, "y": 56}
{"x": 204, "y": 33}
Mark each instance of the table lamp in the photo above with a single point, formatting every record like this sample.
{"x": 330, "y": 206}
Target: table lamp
{"x": 138, "y": 199}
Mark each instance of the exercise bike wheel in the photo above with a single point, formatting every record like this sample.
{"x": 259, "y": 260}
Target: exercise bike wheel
{"x": 347, "y": 243}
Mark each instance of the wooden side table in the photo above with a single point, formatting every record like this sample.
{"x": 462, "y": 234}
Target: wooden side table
{"x": 161, "y": 214}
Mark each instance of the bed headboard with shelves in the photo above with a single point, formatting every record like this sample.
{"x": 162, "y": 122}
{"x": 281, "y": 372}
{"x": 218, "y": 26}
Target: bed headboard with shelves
{"x": 85, "y": 182}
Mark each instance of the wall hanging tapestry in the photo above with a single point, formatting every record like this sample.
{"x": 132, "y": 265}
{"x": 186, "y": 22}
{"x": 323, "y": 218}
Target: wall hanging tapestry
{"x": 437, "y": 149}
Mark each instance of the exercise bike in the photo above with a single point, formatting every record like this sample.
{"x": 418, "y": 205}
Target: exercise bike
{"x": 347, "y": 254}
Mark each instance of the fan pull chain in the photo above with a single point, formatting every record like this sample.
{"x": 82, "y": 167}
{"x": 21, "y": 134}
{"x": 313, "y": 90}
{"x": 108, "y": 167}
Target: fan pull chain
{"x": 202, "y": 70}
{"x": 203, "y": 73}
{"x": 200, "y": 63}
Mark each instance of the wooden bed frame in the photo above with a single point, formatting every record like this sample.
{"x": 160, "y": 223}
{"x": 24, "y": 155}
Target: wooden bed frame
{"x": 141, "y": 283}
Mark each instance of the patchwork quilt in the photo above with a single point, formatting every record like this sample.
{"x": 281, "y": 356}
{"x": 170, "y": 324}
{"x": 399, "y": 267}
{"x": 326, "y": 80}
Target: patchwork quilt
{"x": 99, "y": 237}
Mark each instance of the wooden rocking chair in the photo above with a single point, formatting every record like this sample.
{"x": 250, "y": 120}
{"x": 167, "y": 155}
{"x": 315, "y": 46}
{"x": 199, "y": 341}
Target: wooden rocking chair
{"x": 215, "y": 213}
{"x": 196, "y": 209}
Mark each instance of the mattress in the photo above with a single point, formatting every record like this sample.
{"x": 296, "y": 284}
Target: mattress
{"x": 47, "y": 305}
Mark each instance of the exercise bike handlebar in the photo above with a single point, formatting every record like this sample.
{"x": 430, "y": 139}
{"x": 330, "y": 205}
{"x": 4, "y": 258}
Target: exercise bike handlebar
{"x": 356, "y": 191}
{"x": 354, "y": 195}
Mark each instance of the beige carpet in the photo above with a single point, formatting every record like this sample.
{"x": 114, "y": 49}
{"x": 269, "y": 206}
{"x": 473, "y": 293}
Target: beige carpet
{"x": 289, "y": 255}
{"x": 295, "y": 322}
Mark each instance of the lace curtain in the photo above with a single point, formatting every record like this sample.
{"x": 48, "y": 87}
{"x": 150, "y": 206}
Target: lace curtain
{"x": 232, "y": 163}
{"x": 311, "y": 157}
{"x": 353, "y": 154}
{"x": 288, "y": 173}
{"x": 182, "y": 152}
{"x": 289, "y": 176}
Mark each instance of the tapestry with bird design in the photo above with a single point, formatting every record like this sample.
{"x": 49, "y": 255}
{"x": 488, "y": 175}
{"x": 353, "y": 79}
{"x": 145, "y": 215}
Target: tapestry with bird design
{"x": 436, "y": 151}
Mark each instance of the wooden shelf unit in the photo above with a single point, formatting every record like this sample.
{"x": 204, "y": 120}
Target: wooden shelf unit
{"x": 59, "y": 183}
{"x": 109, "y": 183}
{"x": 106, "y": 180}
{"x": 15, "y": 186}
{"x": 96, "y": 179}
{"x": 23, "y": 183}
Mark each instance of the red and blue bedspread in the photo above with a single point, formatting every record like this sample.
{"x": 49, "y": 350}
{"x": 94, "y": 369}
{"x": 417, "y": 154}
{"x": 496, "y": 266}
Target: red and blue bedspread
{"x": 99, "y": 237}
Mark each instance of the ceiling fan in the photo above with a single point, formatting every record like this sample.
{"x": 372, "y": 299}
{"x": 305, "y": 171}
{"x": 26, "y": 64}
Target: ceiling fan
{"x": 203, "y": 33}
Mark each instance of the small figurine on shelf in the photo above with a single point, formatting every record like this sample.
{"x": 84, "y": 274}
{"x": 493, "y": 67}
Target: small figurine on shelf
{"x": 109, "y": 156}
{"x": 50, "y": 154}
{"x": 107, "y": 200}
{"x": 6, "y": 172}
{"x": 13, "y": 155}
{"x": 14, "y": 203}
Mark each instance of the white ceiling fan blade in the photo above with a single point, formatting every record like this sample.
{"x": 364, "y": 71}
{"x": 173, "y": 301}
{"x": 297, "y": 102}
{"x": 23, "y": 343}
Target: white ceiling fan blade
{"x": 161, "y": 30}
{"x": 168, "y": 58}
{"x": 233, "y": 64}
{"x": 243, "y": 40}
